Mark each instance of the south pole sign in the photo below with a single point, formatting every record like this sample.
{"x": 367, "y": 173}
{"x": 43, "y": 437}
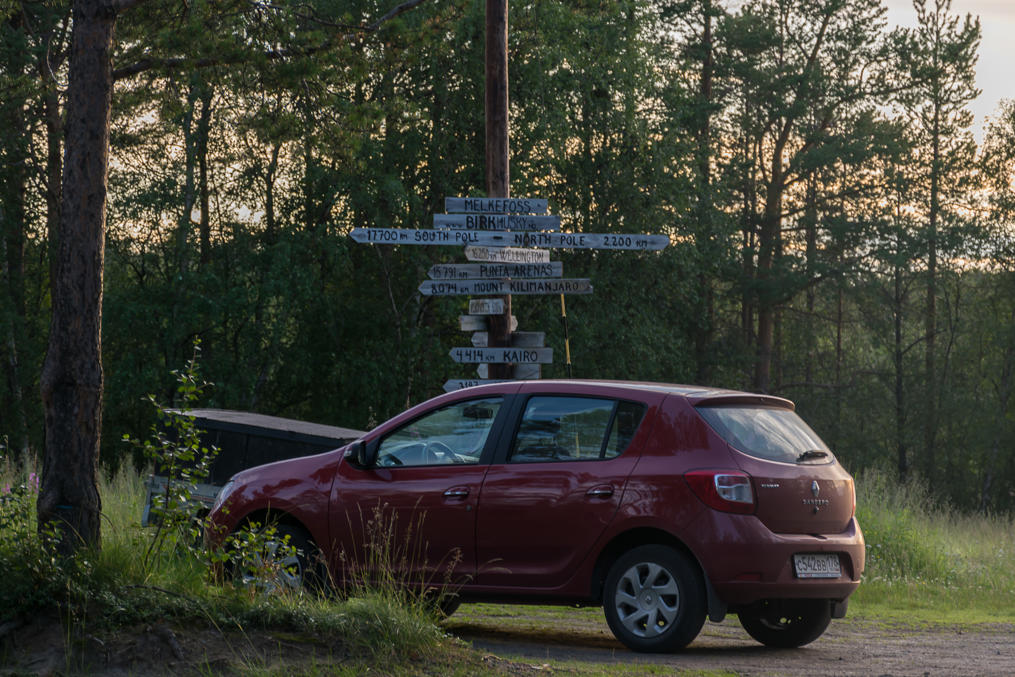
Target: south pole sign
{"x": 601, "y": 241}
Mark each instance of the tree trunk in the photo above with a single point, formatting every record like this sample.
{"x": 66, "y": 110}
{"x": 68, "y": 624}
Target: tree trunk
{"x": 902, "y": 461}
{"x": 498, "y": 174}
{"x": 72, "y": 373}
{"x": 13, "y": 219}
{"x": 203, "y": 129}
{"x": 930, "y": 362}
{"x": 704, "y": 327}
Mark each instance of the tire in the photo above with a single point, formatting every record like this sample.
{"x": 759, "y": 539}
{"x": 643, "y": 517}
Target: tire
{"x": 295, "y": 569}
{"x": 446, "y": 605}
{"x": 654, "y": 599}
{"x": 788, "y": 623}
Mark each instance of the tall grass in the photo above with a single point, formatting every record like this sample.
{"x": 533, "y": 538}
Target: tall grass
{"x": 115, "y": 586}
{"x": 922, "y": 554}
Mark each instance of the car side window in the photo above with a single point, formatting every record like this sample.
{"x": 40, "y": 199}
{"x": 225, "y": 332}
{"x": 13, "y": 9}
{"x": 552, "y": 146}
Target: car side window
{"x": 560, "y": 428}
{"x": 453, "y": 434}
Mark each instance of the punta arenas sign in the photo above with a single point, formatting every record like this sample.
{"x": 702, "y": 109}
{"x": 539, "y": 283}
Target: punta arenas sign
{"x": 487, "y": 271}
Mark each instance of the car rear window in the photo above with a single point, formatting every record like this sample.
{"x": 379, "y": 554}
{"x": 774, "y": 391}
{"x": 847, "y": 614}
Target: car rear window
{"x": 769, "y": 433}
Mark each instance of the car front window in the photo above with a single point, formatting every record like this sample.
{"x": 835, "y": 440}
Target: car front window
{"x": 453, "y": 434}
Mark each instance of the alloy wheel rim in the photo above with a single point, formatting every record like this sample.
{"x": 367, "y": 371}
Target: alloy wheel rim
{"x": 647, "y": 600}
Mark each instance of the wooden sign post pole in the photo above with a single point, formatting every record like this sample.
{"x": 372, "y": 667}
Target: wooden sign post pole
{"x": 498, "y": 176}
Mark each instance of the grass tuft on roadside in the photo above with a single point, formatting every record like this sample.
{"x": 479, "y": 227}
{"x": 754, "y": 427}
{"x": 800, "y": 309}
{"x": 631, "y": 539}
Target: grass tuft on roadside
{"x": 930, "y": 560}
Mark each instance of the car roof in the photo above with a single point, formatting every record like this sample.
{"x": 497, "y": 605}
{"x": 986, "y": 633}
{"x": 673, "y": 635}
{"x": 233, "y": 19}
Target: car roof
{"x": 696, "y": 395}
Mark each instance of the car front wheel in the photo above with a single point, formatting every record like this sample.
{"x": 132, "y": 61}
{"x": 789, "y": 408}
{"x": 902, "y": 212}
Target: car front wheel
{"x": 786, "y": 624}
{"x": 654, "y": 599}
{"x": 283, "y": 558}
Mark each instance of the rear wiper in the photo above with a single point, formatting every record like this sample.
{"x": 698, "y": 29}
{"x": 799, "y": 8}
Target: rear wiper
{"x": 811, "y": 453}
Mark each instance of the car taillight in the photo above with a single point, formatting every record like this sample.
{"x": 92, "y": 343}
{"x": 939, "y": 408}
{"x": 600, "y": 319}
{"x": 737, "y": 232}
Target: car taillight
{"x": 852, "y": 490}
{"x": 722, "y": 490}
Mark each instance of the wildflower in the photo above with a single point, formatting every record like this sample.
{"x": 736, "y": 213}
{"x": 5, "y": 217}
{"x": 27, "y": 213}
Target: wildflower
{"x": 33, "y": 480}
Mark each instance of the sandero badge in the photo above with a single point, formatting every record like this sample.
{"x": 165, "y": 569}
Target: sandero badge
{"x": 666, "y": 505}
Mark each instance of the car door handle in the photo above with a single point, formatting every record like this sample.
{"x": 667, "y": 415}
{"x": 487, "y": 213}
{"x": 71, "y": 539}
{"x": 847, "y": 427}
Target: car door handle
{"x": 457, "y": 492}
{"x": 604, "y": 491}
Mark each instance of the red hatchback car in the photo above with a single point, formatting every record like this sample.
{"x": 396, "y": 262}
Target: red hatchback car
{"x": 664, "y": 504}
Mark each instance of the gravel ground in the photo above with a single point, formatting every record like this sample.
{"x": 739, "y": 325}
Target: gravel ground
{"x": 848, "y": 647}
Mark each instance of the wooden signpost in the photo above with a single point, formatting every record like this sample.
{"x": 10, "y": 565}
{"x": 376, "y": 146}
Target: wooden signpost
{"x": 486, "y": 307}
{"x": 480, "y": 322}
{"x": 520, "y": 372}
{"x": 479, "y": 287}
{"x": 487, "y": 271}
{"x": 507, "y": 254}
{"x": 470, "y": 355}
{"x": 508, "y": 239}
{"x": 519, "y": 339}
{"x": 496, "y": 222}
{"x": 409, "y": 236}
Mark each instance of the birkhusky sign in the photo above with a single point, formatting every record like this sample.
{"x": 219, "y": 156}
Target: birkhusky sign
{"x": 496, "y": 222}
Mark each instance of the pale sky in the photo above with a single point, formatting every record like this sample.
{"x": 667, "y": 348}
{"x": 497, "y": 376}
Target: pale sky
{"x": 995, "y": 71}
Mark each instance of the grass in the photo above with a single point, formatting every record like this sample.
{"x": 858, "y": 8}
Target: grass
{"x": 927, "y": 564}
{"x": 930, "y": 563}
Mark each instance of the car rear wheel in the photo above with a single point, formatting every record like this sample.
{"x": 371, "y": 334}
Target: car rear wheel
{"x": 786, "y": 624}
{"x": 654, "y": 599}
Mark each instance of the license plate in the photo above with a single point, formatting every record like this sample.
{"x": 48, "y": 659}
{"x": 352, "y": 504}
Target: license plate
{"x": 822, "y": 565}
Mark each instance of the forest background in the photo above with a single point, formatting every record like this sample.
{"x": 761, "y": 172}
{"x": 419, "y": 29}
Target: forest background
{"x": 838, "y": 235}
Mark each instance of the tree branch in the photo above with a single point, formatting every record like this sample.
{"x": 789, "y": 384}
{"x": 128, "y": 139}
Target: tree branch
{"x": 146, "y": 64}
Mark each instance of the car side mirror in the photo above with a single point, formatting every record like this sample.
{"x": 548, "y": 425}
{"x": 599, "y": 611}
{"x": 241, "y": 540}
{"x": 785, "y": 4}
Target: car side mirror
{"x": 361, "y": 454}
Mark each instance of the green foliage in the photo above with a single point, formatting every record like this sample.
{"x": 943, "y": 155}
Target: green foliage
{"x": 912, "y": 538}
{"x": 176, "y": 453}
{"x": 247, "y": 139}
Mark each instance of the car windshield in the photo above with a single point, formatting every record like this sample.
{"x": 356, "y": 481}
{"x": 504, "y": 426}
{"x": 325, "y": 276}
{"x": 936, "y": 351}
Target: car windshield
{"x": 769, "y": 433}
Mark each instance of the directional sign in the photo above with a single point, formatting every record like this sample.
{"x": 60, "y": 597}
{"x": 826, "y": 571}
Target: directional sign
{"x": 507, "y": 255}
{"x": 461, "y": 383}
{"x": 569, "y": 240}
{"x": 500, "y": 287}
{"x": 519, "y": 371}
{"x": 486, "y": 307}
{"x": 478, "y": 322}
{"x": 495, "y": 205}
{"x": 496, "y": 222}
{"x": 519, "y": 339}
{"x": 410, "y": 236}
{"x": 486, "y": 271}
{"x": 472, "y": 355}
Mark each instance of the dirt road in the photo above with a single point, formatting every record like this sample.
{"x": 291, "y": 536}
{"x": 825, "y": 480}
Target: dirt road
{"x": 849, "y": 647}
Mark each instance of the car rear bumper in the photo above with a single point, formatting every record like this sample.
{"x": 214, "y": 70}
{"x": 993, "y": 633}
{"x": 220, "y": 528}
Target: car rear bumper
{"x": 745, "y": 562}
